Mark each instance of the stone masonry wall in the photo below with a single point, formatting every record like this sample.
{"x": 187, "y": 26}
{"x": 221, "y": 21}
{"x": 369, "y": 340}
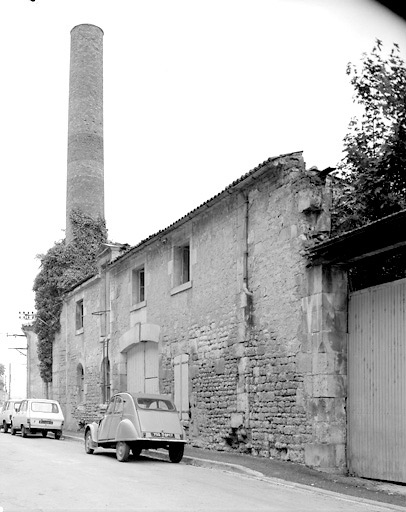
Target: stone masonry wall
{"x": 323, "y": 361}
{"x": 246, "y": 386}
{"x": 199, "y": 321}
{"x": 72, "y": 348}
{"x": 36, "y": 387}
{"x": 240, "y": 320}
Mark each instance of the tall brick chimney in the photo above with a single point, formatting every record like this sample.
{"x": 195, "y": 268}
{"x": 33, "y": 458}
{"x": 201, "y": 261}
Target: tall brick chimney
{"x": 85, "y": 176}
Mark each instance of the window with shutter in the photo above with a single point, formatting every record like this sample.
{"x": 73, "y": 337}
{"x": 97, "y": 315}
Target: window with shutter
{"x": 181, "y": 385}
{"x": 79, "y": 315}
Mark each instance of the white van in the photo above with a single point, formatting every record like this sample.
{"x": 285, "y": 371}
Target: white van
{"x": 7, "y": 411}
{"x": 38, "y": 415}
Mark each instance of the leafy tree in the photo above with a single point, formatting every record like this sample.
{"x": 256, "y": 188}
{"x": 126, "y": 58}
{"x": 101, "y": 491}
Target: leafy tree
{"x": 63, "y": 267}
{"x": 2, "y": 372}
{"x": 372, "y": 175}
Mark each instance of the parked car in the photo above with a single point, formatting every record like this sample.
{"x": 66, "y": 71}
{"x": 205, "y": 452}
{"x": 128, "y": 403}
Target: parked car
{"x": 38, "y": 415}
{"x": 6, "y": 412}
{"x": 136, "y": 422}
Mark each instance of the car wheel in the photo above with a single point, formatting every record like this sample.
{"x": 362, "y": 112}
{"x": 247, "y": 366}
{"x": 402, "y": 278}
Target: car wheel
{"x": 44, "y": 433}
{"x": 136, "y": 450}
{"x": 58, "y": 434}
{"x": 5, "y": 427}
{"x": 176, "y": 452}
{"x": 122, "y": 451}
{"x": 12, "y": 430}
{"x": 89, "y": 443}
{"x": 23, "y": 431}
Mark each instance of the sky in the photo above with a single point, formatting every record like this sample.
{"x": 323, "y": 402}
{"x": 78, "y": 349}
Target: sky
{"x": 196, "y": 94}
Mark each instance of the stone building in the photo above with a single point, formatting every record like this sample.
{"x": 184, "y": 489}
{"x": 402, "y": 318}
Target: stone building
{"x": 243, "y": 310}
{"x": 218, "y": 309}
{"x": 36, "y": 387}
{"x": 214, "y": 310}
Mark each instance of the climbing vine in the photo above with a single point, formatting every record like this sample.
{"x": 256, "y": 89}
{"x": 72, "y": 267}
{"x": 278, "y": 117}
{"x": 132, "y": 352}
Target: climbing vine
{"x": 62, "y": 267}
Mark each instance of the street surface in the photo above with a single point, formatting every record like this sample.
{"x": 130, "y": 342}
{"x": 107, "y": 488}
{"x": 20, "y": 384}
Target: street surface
{"x": 38, "y": 474}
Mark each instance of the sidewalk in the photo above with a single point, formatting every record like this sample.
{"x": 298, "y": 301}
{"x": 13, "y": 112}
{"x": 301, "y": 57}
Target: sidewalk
{"x": 287, "y": 473}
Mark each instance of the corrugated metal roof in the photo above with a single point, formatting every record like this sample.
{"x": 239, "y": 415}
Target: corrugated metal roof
{"x": 379, "y": 236}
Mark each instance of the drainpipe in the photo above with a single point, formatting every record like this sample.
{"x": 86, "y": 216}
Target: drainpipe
{"x": 105, "y": 332}
{"x": 241, "y": 422}
{"x": 245, "y": 259}
{"x": 66, "y": 359}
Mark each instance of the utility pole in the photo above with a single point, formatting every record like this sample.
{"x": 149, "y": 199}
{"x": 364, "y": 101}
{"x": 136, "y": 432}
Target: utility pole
{"x": 19, "y": 349}
{"x": 27, "y": 317}
{"x": 30, "y": 317}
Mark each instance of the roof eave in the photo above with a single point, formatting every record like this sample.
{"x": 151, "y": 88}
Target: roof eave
{"x": 383, "y": 235}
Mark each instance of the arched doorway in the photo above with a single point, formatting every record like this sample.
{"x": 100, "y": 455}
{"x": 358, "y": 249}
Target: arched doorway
{"x": 80, "y": 383}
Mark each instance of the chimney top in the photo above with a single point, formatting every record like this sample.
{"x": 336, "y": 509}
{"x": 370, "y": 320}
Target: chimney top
{"x": 86, "y": 25}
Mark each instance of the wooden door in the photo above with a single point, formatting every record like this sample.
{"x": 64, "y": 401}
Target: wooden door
{"x": 142, "y": 368}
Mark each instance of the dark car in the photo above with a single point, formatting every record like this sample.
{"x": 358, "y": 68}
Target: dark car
{"x": 136, "y": 422}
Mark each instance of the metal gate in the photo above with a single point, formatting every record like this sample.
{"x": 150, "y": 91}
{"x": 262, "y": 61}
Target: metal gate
{"x": 377, "y": 382}
{"x": 142, "y": 368}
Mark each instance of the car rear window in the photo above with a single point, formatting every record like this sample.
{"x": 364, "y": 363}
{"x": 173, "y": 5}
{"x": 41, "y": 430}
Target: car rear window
{"x": 154, "y": 403}
{"x": 44, "y": 407}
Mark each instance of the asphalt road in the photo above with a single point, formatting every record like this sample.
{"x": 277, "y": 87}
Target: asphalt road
{"x": 39, "y": 474}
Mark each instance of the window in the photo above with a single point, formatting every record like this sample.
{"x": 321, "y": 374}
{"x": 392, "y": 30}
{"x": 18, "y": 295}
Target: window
{"x": 182, "y": 264}
{"x": 181, "y": 385}
{"x": 119, "y": 405}
{"x": 15, "y": 405}
{"x": 44, "y": 407}
{"x": 138, "y": 285}
{"x": 149, "y": 403}
{"x": 79, "y": 315}
{"x": 110, "y": 408}
{"x": 80, "y": 382}
{"x": 185, "y": 264}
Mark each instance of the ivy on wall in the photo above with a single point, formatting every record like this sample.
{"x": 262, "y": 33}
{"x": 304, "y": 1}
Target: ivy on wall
{"x": 63, "y": 267}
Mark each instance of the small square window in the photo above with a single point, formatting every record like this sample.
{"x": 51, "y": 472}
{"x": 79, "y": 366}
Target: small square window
{"x": 138, "y": 285}
{"x": 79, "y": 314}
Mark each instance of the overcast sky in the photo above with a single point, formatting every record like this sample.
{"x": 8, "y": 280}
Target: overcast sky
{"x": 196, "y": 94}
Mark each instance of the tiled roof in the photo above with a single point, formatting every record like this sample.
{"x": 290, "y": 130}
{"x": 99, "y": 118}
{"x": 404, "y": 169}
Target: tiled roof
{"x": 258, "y": 170}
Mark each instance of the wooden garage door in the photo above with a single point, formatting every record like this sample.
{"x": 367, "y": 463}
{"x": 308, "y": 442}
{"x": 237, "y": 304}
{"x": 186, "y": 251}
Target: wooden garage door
{"x": 377, "y": 382}
{"x": 142, "y": 368}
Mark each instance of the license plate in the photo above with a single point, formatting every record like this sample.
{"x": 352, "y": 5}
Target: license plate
{"x": 46, "y": 422}
{"x": 162, "y": 434}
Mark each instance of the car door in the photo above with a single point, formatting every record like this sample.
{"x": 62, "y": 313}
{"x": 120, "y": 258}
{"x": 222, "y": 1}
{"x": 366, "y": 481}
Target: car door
{"x": 17, "y": 417}
{"x": 25, "y": 413}
{"x": 116, "y": 417}
{"x": 103, "y": 433}
{"x": 3, "y": 413}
